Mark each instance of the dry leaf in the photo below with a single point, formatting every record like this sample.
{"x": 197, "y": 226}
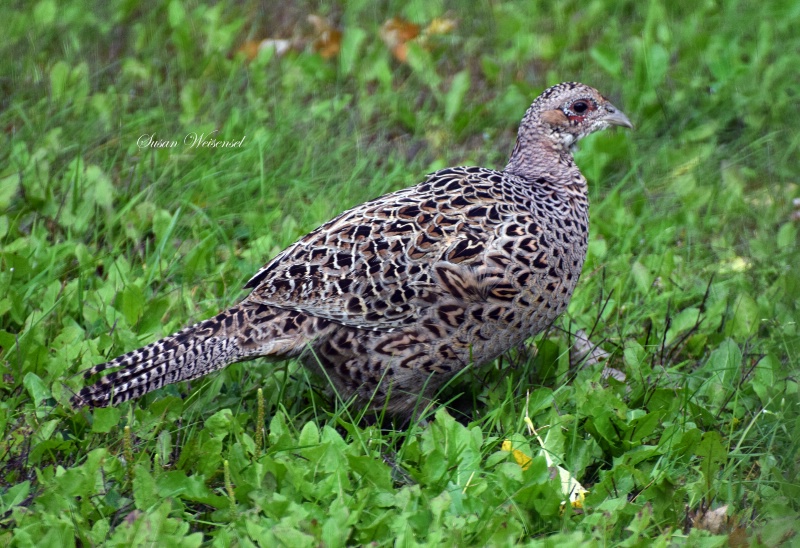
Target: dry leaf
{"x": 328, "y": 40}
{"x": 738, "y": 537}
{"x": 714, "y": 521}
{"x": 325, "y": 39}
{"x": 584, "y": 349}
{"x": 251, "y": 48}
{"x": 718, "y": 522}
{"x": 280, "y": 46}
{"x": 395, "y": 33}
{"x": 132, "y": 516}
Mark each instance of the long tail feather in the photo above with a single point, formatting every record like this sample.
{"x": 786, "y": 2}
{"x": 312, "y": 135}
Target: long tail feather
{"x": 190, "y": 353}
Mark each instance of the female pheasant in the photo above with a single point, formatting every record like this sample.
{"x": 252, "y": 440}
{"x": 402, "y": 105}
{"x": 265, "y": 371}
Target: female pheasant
{"x": 393, "y": 297}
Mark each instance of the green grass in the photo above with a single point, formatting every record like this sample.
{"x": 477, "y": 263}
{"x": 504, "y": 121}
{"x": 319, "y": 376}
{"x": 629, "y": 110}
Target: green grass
{"x": 691, "y": 281}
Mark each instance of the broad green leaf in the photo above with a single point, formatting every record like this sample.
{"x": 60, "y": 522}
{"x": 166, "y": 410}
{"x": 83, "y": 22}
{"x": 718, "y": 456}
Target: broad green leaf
{"x": 100, "y": 185}
{"x": 45, "y": 13}
{"x": 105, "y": 418}
{"x": 682, "y": 322}
{"x": 745, "y": 318}
{"x": 132, "y": 303}
{"x": 787, "y": 234}
{"x": 145, "y": 490}
{"x": 14, "y": 495}
{"x": 634, "y": 355}
{"x": 642, "y": 427}
{"x": 309, "y": 435}
{"x": 352, "y": 41}
{"x": 455, "y": 95}
{"x": 642, "y": 277}
{"x": 9, "y": 186}
{"x": 176, "y": 13}
{"x": 36, "y": 387}
{"x": 219, "y": 424}
{"x": 59, "y": 79}
{"x": 711, "y": 448}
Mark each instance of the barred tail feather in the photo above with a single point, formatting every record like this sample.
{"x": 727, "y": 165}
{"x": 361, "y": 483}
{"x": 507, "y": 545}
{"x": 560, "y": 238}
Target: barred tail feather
{"x": 190, "y": 353}
{"x": 246, "y": 331}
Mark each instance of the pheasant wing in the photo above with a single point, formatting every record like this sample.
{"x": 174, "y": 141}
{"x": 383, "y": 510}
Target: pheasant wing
{"x": 375, "y": 266}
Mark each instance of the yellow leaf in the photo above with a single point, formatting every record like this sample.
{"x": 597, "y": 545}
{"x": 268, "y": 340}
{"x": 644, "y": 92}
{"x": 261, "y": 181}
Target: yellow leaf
{"x": 522, "y": 459}
{"x": 440, "y": 25}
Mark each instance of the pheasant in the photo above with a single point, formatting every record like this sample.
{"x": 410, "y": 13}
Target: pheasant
{"x": 393, "y": 297}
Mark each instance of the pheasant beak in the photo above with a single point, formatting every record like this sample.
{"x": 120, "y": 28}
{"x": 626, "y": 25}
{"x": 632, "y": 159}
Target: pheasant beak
{"x": 616, "y": 117}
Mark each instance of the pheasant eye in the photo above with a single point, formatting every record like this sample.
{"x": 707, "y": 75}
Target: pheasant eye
{"x": 579, "y": 107}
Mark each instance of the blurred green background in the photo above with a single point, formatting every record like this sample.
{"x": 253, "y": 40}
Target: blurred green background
{"x": 691, "y": 282}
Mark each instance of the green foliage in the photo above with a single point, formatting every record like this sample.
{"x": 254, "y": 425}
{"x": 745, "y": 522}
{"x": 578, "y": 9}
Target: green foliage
{"x": 106, "y": 243}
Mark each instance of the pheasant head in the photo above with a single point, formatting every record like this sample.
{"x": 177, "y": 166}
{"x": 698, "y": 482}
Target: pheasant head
{"x": 558, "y": 119}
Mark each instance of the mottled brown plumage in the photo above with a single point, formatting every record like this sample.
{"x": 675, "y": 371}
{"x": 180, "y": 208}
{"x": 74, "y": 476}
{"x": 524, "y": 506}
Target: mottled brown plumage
{"x": 395, "y": 296}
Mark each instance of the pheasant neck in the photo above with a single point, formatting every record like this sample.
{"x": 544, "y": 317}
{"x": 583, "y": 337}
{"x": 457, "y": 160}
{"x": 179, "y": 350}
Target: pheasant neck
{"x": 544, "y": 158}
